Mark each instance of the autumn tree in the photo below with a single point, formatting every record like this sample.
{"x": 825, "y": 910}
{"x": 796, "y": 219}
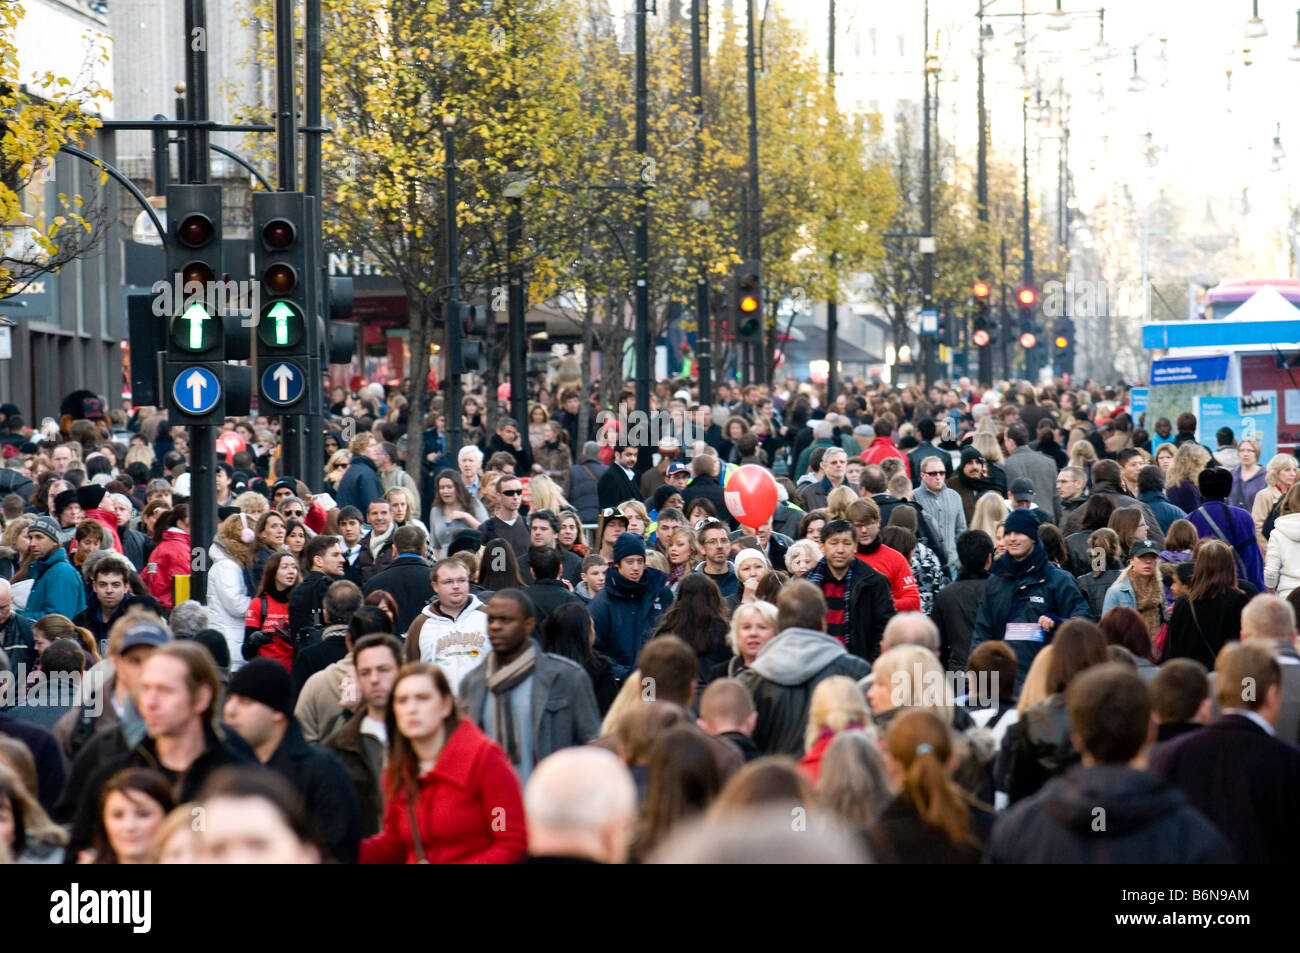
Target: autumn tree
{"x": 43, "y": 113}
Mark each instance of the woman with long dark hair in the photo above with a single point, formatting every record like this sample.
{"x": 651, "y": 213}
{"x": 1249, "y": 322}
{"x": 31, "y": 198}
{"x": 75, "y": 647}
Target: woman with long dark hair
{"x": 682, "y": 779}
{"x": 453, "y": 510}
{"x": 1210, "y": 614}
{"x": 698, "y": 615}
{"x": 450, "y": 794}
{"x": 498, "y": 568}
{"x": 266, "y": 626}
{"x": 1095, "y": 515}
{"x": 569, "y": 631}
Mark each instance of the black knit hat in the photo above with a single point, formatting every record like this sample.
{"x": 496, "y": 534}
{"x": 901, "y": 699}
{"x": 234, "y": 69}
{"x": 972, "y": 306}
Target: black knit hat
{"x": 89, "y": 495}
{"x": 265, "y": 681}
{"x": 63, "y": 500}
{"x": 465, "y": 541}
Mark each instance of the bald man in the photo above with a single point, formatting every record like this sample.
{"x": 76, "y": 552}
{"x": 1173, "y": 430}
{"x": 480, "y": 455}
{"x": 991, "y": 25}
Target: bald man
{"x": 15, "y": 632}
{"x": 581, "y": 807}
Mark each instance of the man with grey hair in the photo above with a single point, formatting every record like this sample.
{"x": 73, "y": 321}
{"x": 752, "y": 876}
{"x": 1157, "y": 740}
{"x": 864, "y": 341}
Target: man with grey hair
{"x": 188, "y": 619}
{"x": 910, "y": 628}
{"x": 470, "y": 463}
{"x": 135, "y": 544}
{"x": 823, "y": 436}
{"x": 942, "y": 505}
{"x": 834, "y": 463}
{"x": 1272, "y": 620}
{"x": 582, "y": 488}
{"x": 581, "y": 805}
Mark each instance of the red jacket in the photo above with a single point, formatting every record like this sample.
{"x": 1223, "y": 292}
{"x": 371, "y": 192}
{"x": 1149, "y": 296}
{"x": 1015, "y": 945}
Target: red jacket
{"x": 276, "y": 619}
{"x": 811, "y": 763}
{"x": 902, "y": 584}
{"x": 109, "y": 521}
{"x": 169, "y": 558}
{"x": 470, "y": 809}
{"x": 883, "y": 447}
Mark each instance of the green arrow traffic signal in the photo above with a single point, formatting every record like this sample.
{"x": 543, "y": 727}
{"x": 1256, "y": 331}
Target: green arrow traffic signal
{"x": 280, "y": 314}
{"x": 193, "y": 329}
{"x": 195, "y": 315}
{"x": 281, "y": 325}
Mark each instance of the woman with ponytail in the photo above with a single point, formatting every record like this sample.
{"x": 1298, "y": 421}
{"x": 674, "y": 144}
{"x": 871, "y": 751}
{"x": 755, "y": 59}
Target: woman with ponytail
{"x": 170, "y": 556}
{"x": 930, "y": 820}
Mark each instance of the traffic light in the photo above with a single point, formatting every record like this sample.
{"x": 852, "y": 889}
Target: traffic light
{"x": 749, "y": 302}
{"x": 193, "y": 378}
{"x": 286, "y": 344}
{"x": 1063, "y": 346}
{"x": 1028, "y": 328}
{"x": 980, "y": 335}
{"x": 469, "y": 319}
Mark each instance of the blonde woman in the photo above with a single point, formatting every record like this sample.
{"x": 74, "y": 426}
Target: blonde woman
{"x": 544, "y": 494}
{"x": 1248, "y": 477}
{"x": 250, "y": 502}
{"x": 908, "y": 676}
{"x": 753, "y": 625}
{"x": 335, "y": 468}
{"x": 1280, "y": 475}
{"x": 1180, "y": 482}
{"x": 837, "y": 705}
{"x": 1083, "y": 456}
{"x": 840, "y": 499}
{"x": 231, "y": 555}
{"x": 991, "y": 448}
{"x": 990, "y": 510}
{"x": 638, "y": 517}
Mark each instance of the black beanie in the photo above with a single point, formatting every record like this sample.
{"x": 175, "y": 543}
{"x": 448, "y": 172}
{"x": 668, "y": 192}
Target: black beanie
{"x": 266, "y": 681}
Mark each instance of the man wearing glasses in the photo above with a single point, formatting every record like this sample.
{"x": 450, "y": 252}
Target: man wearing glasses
{"x": 506, "y": 523}
{"x": 942, "y": 504}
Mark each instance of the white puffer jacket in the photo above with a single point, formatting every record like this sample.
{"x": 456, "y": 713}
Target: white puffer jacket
{"x": 1282, "y": 561}
{"x": 228, "y": 599}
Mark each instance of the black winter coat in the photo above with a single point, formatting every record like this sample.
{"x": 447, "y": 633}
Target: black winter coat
{"x": 953, "y": 612}
{"x": 1199, "y": 631}
{"x": 710, "y": 489}
{"x": 900, "y": 836}
{"x": 407, "y": 581}
{"x": 326, "y": 790}
{"x": 1146, "y": 821}
{"x": 362, "y": 758}
{"x": 1035, "y": 749}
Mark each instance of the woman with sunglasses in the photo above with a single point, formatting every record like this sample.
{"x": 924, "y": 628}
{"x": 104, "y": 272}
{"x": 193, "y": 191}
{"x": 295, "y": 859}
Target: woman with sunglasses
{"x": 334, "y": 470}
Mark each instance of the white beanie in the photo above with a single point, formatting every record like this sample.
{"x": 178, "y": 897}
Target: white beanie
{"x": 745, "y": 555}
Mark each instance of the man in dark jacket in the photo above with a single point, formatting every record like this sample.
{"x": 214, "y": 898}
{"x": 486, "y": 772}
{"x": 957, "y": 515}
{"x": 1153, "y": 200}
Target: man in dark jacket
{"x": 324, "y": 562}
{"x": 859, "y": 603}
{"x": 1151, "y": 491}
{"x": 530, "y": 702}
{"x": 618, "y": 484}
{"x": 790, "y": 667}
{"x": 259, "y": 706}
{"x": 45, "y": 752}
{"x": 1035, "y": 466}
{"x": 178, "y": 692}
{"x": 16, "y": 638}
{"x": 508, "y": 439}
{"x": 361, "y": 741}
{"x": 547, "y": 592}
{"x": 543, "y": 532}
{"x": 705, "y": 484}
{"x": 926, "y": 429}
{"x": 1146, "y": 819}
{"x": 377, "y": 552}
{"x": 1106, "y": 481}
{"x": 111, "y": 597}
{"x": 1026, "y": 596}
{"x": 407, "y": 578}
{"x": 956, "y": 603}
{"x": 584, "y": 480}
{"x": 626, "y": 610}
{"x": 507, "y": 523}
{"x": 360, "y": 483}
{"x": 1236, "y": 770}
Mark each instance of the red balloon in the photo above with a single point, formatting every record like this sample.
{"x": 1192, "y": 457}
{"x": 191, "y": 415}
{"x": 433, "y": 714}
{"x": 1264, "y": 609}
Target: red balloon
{"x": 751, "y": 495}
{"x": 230, "y": 443}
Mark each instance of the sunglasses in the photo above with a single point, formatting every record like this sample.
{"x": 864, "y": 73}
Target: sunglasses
{"x": 298, "y": 513}
{"x": 933, "y": 472}
{"x": 512, "y": 492}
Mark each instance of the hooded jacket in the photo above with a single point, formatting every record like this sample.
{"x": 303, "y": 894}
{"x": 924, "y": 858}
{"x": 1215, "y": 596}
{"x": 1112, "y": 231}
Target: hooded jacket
{"x": 1148, "y": 821}
{"x": 57, "y": 589}
{"x": 883, "y": 448}
{"x": 1282, "y": 562}
{"x": 228, "y": 599}
{"x": 625, "y": 613}
{"x": 170, "y": 558}
{"x": 782, "y": 680}
{"x": 454, "y": 645}
{"x": 1022, "y": 591}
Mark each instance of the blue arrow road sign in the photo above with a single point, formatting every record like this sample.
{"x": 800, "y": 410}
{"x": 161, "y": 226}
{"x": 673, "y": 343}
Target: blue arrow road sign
{"x": 196, "y": 390}
{"x": 283, "y": 383}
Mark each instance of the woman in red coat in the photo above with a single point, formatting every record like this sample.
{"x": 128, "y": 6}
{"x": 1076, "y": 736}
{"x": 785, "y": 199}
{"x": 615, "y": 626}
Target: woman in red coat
{"x": 171, "y": 556}
{"x": 468, "y": 804}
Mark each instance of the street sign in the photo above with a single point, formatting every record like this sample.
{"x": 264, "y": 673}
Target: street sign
{"x": 283, "y": 383}
{"x": 196, "y": 391}
{"x": 930, "y": 321}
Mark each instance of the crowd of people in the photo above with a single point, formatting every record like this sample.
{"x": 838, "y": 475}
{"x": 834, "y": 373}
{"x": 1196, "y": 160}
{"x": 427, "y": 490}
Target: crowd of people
{"x": 975, "y": 618}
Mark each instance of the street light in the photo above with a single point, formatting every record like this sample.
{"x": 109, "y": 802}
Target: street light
{"x": 1136, "y": 83}
{"x": 1058, "y": 20}
{"x": 1255, "y": 28}
{"x": 1278, "y": 152}
{"x": 1294, "y": 55}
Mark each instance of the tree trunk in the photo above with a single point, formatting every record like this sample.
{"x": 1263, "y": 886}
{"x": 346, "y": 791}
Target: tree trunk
{"x": 588, "y": 338}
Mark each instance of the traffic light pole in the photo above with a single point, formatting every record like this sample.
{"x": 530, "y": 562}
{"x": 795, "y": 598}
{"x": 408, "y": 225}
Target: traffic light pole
{"x": 455, "y": 330}
{"x": 754, "y": 207}
{"x": 203, "y": 451}
{"x": 832, "y": 305}
{"x": 931, "y": 349}
{"x": 312, "y": 471}
{"x": 703, "y": 331}
{"x": 515, "y": 316}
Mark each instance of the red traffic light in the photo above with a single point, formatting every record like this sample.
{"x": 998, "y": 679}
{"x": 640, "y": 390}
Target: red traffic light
{"x": 1028, "y": 340}
{"x": 1062, "y": 341}
{"x": 278, "y": 234}
{"x": 981, "y": 289}
{"x": 1027, "y": 297}
{"x": 195, "y": 230}
{"x": 981, "y": 338}
{"x": 280, "y": 279}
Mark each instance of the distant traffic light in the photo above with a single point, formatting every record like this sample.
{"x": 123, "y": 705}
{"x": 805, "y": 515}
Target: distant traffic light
{"x": 749, "y": 302}
{"x": 1027, "y": 297}
{"x": 981, "y": 290}
{"x": 281, "y": 265}
{"x": 1028, "y": 340}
